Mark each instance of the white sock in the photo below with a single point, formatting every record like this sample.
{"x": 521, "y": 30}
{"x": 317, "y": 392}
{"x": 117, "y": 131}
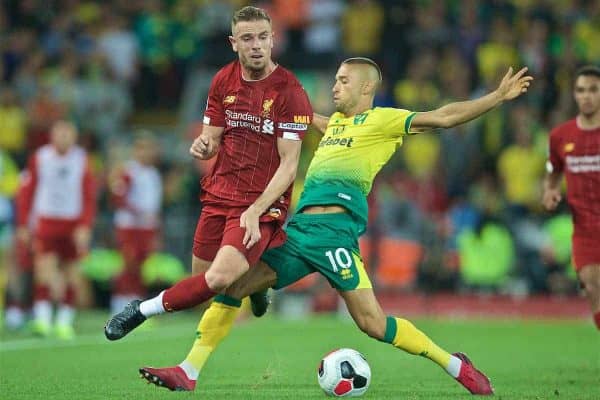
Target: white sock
{"x": 14, "y": 317}
{"x": 454, "y": 366}
{"x": 42, "y": 311}
{"x": 191, "y": 372}
{"x": 153, "y": 306}
{"x": 65, "y": 315}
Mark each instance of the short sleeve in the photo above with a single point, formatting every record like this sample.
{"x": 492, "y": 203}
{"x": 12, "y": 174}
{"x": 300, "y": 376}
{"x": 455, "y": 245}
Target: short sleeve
{"x": 555, "y": 161}
{"x": 295, "y": 114}
{"x": 396, "y": 121}
{"x": 215, "y": 113}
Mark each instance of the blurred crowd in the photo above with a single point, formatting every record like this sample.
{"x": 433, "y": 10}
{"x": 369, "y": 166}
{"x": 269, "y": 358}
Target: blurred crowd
{"x": 468, "y": 199}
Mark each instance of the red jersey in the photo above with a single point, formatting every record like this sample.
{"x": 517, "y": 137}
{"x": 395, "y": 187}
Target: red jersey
{"x": 576, "y": 153}
{"x": 59, "y": 190}
{"x": 254, "y": 114}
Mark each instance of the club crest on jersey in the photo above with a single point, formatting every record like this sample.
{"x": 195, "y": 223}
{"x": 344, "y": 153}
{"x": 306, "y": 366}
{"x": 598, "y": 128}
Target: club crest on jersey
{"x": 569, "y": 147}
{"x": 359, "y": 119}
{"x": 267, "y": 104}
{"x": 229, "y": 100}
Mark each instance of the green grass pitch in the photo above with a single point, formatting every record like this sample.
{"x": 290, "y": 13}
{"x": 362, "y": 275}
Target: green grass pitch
{"x": 272, "y": 358}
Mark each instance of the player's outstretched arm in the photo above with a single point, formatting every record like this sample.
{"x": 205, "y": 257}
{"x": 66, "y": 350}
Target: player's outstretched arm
{"x": 289, "y": 154}
{"x": 512, "y": 86}
{"x": 319, "y": 122}
{"x": 206, "y": 145}
{"x": 551, "y": 195}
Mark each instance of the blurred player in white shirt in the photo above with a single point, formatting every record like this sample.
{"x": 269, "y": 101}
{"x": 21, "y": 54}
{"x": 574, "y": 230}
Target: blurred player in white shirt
{"x": 136, "y": 189}
{"x": 61, "y": 195}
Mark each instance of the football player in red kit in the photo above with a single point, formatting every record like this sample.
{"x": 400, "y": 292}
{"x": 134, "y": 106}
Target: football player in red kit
{"x": 136, "y": 189}
{"x": 575, "y": 153}
{"x": 61, "y": 196}
{"x": 256, "y": 116}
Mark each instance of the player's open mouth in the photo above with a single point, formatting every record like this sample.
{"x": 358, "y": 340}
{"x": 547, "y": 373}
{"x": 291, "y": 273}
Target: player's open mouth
{"x": 256, "y": 56}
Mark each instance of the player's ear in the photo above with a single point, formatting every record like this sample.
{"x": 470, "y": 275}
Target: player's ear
{"x": 368, "y": 87}
{"x": 233, "y": 43}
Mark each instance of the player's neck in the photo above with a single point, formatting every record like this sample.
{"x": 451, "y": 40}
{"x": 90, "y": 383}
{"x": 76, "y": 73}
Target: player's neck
{"x": 251, "y": 75}
{"x": 61, "y": 151}
{"x": 359, "y": 109}
{"x": 589, "y": 122}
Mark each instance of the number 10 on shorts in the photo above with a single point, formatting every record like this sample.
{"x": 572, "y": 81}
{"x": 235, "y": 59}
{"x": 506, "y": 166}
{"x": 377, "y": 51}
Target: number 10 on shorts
{"x": 339, "y": 259}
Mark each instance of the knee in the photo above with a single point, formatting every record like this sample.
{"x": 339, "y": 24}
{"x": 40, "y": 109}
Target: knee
{"x": 591, "y": 285}
{"x": 218, "y": 281}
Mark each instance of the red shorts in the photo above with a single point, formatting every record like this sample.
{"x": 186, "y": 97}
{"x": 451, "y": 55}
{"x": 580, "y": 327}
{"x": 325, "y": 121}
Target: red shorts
{"x": 586, "y": 251}
{"x": 136, "y": 244}
{"x": 219, "y": 226}
{"x": 63, "y": 246}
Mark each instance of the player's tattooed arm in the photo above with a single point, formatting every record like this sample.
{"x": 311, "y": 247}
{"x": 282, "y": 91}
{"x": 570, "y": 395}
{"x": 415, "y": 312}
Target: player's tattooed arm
{"x": 511, "y": 86}
{"x": 319, "y": 122}
{"x": 206, "y": 145}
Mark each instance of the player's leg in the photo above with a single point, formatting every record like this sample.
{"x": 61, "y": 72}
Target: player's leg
{"x": 127, "y": 286}
{"x": 589, "y": 277}
{"x": 73, "y": 282}
{"x": 65, "y": 313}
{"x": 20, "y": 272}
{"x": 220, "y": 316}
{"x": 402, "y": 334}
{"x": 214, "y": 326}
{"x": 45, "y": 278}
{"x": 218, "y": 319}
{"x": 206, "y": 243}
{"x": 336, "y": 255}
{"x": 233, "y": 259}
{"x": 230, "y": 263}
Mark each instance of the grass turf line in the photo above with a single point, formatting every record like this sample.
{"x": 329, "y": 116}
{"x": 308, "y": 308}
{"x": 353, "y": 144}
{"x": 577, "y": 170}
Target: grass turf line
{"x": 277, "y": 359}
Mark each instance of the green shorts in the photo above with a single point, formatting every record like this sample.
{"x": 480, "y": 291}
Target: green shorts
{"x": 324, "y": 243}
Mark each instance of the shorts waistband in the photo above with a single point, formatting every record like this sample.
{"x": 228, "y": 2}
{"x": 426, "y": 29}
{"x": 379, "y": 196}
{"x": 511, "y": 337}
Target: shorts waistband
{"x": 324, "y": 217}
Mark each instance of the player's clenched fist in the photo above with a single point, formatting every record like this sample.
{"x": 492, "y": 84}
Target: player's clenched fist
{"x": 551, "y": 198}
{"x": 203, "y": 148}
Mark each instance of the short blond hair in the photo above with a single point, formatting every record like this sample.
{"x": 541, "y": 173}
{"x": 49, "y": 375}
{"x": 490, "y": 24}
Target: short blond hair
{"x": 249, "y": 13}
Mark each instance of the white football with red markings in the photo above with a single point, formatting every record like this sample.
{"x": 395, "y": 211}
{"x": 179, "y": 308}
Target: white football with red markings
{"x": 344, "y": 373}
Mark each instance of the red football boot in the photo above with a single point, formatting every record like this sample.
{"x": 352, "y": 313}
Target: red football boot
{"x": 471, "y": 378}
{"x": 172, "y": 378}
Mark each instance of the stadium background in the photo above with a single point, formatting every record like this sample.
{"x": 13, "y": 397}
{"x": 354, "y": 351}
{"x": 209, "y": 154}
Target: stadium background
{"x": 457, "y": 211}
{"x": 456, "y": 226}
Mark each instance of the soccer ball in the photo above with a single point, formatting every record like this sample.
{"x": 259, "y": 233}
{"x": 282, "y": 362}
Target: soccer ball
{"x": 344, "y": 373}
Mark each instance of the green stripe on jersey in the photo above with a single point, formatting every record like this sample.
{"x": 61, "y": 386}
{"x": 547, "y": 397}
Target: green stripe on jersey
{"x": 351, "y": 153}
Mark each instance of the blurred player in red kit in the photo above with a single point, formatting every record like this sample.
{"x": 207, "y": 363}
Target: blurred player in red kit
{"x": 575, "y": 152}
{"x": 21, "y": 269}
{"x": 256, "y": 116}
{"x": 136, "y": 188}
{"x": 61, "y": 195}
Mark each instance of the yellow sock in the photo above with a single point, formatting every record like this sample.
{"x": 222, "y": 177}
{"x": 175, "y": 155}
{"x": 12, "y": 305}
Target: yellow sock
{"x": 212, "y": 328}
{"x": 404, "y": 335}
